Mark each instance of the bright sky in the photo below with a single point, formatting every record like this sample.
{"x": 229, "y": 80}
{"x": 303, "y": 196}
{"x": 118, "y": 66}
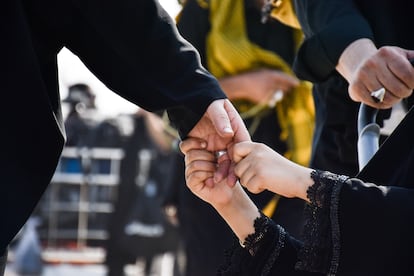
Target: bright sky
{"x": 72, "y": 70}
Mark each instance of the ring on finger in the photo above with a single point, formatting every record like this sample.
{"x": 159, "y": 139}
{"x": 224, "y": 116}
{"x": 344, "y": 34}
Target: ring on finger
{"x": 220, "y": 153}
{"x": 378, "y": 95}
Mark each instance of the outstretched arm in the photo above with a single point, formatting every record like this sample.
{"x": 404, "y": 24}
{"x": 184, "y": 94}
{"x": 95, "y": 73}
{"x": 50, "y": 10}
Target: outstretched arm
{"x": 164, "y": 72}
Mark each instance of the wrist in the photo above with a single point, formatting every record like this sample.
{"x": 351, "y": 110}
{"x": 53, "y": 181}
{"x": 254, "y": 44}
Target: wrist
{"x": 303, "y": 182}
{"x": 353, "y": 56}
{"x": 240, "y": 213}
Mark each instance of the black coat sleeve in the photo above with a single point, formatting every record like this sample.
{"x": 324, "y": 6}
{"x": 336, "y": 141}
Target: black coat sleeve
{"x": 134, "y": 48}
{"x": 329, "y": 27}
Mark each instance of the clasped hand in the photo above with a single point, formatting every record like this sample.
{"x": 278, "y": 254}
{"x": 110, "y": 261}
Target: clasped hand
{"x": 256, "y": 167}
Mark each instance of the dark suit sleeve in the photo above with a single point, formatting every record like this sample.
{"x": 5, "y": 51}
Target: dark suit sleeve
{"x": 134, "y": 48}
{"x": 329, "y": 27}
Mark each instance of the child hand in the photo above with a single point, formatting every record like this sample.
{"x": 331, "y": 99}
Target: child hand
{"x": 200, "y": 167}
{"x": 260, "y": 168}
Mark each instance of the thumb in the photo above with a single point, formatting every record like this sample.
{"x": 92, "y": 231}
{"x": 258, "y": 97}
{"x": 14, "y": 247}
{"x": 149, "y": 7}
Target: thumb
{"x": 237, "y": 125}
{"x": 241, "y": 150}
{"x": 220, "y": 118}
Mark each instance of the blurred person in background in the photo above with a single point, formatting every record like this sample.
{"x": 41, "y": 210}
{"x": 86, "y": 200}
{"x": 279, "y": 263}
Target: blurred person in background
{"x": 87, "y": 129}
{"x": 84, "y": 125}
{"x": 143, "y": 185}
{"x": 80, "y": 119}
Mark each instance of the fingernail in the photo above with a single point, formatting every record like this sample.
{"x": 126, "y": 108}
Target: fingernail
{"x": 228, "y": 130}
{"x": 203, "y": 145}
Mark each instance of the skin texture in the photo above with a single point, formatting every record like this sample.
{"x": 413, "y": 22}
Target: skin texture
{"x": 257, "y": 86}
{"x": 256, "y": 166}
{"x": 220, "y": 128}
{"x": 367, "y": 69}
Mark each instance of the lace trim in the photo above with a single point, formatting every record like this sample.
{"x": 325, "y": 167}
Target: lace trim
{"x": 316, "y": 193}
{"x": 321, "y": 249}
{"x": 261, "y": 227}
{"x": 253, "y": 242}
{"x": 336, "y": 239}
{"x": 240, "y": 261}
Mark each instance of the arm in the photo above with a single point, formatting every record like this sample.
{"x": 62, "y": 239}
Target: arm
{"x": 352, "y": 226}
{"x": 267, "y": 248}
{"x": 341, "y": 211}
{"x": 257, "y": 86}
{"x": 329, "y": 27}
{"x": 339, "y": 37}
{"x": 135, "y": 49}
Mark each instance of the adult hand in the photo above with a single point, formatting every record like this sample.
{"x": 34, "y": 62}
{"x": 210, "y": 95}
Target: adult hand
{"x": 260, "y": 168}
{"x": 231, "y": 202}
{"x": 221, "y": 127}
{"x": 368, "y": 69}
{"x": 258, "y": 86}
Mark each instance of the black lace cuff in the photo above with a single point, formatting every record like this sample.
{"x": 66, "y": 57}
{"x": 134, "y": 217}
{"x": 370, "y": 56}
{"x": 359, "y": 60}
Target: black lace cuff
{"x": 320, "y": 252}
{"x": 259, "y": 251}
{"x": 261, "y": 227}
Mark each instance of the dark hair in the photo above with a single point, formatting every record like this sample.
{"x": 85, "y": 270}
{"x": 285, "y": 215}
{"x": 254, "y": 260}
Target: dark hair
{"x": 80, "y": 93}
{"x": 81, "y": 87}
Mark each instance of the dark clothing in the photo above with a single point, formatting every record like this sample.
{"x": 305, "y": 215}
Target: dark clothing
{"x": 334, "y": 145}
{"x": 131, "y": 46}
{"x": 353, "y": 227}
{"x": 3, "y": 262}
{"x": 144, "y": 167}
{"x": 329, "y": 27}
{"x": 89, "y": 131}
{"x": 205, "y": 233}
{"x": 77, "y": 130}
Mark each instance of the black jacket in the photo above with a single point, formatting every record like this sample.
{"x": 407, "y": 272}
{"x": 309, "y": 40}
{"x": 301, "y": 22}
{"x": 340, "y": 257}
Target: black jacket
{"x": 131, "y": 46}
{"x": 330, "y": 26}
